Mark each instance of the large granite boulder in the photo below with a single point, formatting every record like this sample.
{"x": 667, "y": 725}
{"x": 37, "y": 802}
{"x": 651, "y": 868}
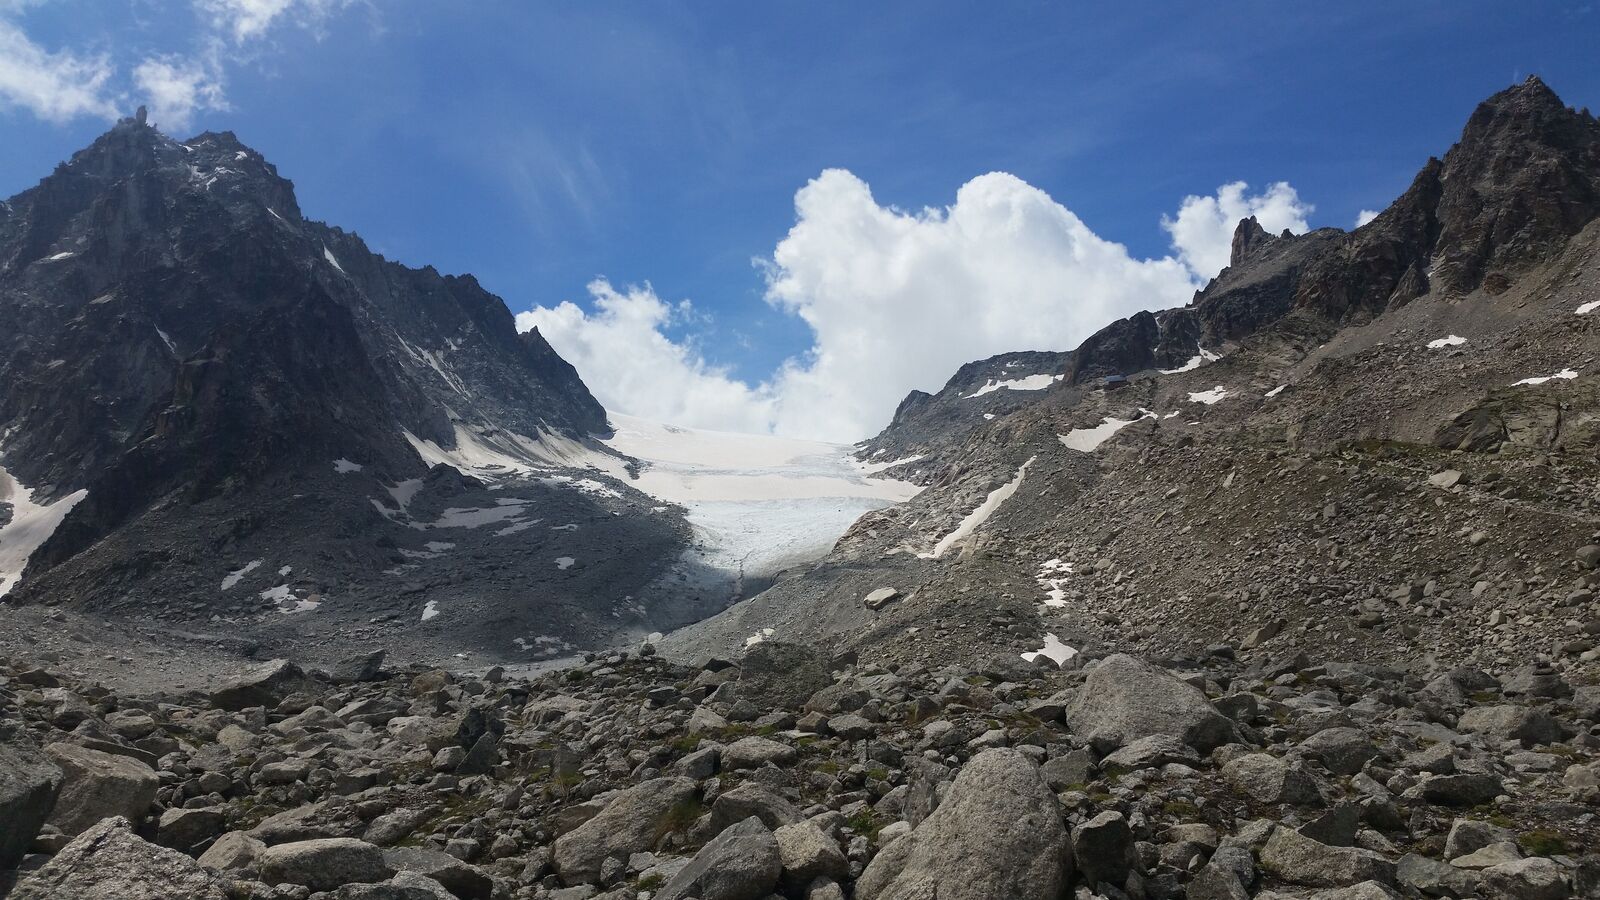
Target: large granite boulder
{"x": 1124, "y": 699}
{"x": 997, "y": 835}
{"x": 741, "y": 863}
{"x": 261, "y": 685}
{"x": 29, "y": 782}
{"x": 109, "y": 862}
{"x": 631, "y": 822}
{"x": 97, "y": 785}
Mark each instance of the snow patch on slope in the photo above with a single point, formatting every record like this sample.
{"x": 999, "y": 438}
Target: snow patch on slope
{"x": 1087, "y": 439}
{"x": 1030, "y": 383}
{"x": 238, "y": 575}
{"x": 977, "y": 517}
{"x": 1203, "y": 356}
{"x": 1564, "y": 375}
{"x": 1053, "y": 650}
{"x": 30, "y": 526}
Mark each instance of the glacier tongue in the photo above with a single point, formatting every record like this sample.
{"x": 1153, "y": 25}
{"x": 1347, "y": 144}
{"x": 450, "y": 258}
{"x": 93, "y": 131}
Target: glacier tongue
{"x": 758, "y": 503}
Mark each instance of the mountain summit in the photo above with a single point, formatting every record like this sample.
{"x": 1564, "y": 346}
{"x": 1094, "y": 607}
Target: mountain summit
{"x": 197, "y": 380}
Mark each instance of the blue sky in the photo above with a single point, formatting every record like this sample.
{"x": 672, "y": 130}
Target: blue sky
{"x": 540, "y": 146}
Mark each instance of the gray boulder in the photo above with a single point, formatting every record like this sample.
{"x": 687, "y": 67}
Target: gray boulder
{"x": 752, "y": 799}
{"x": 1298, "y": 859}
{"x": 741, "y": 863}
{"x": 97, "y": 785}
{"x": 1342, "y": 751}
{"x": 324, "y": 864}
{"x": 755, "y": 752}
{"x": 631, "y": 822}
{"x": 235, "y": 851}
{"x": 1510, "y": 722}
{"x": 29, "y": 782}
{"x": 1103, "y": 849}
{"x": 1535, "y": 878}
{"x": 109, "y": 862}
{"x": 358, "y": 668}
{"x": 403, "y": 886}
{"x": 1125, "y": 699}
{"x": 997, "y": 835}
{"x": 187, "y": 829}
{"x": 778, "y": 675}
{"x": 261, "y": 685}
{"x": 462, "y": 879}
{"x": 808, "y": 853}
{"x": 1270, "y": 780}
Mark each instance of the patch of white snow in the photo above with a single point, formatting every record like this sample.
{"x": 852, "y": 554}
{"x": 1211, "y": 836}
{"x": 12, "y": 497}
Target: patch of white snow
{"x": 1564, "y": 374}
{"x": 1029, "y": 383}
{"x": 1053, "y": 650}
{"x": 30, "y": 526}
{"x": 977, "y": 517}
{"x": 238, "y": 575}
{"x": 1203, "y": 356}
{"x": 344, "y": 466}
{"x": 1454, "y": 340}
{"x": 328, "y": 255}
{"x": 1208, "y": 397}
{"x": 1086, "y": 440}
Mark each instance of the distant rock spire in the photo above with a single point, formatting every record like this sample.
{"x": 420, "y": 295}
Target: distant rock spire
{"x": 1248, "y": 236}
{"x": 141, "y": 114}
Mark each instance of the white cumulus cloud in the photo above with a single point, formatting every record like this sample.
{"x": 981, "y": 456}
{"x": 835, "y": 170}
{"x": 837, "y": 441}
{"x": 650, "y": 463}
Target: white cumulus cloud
{"x": 897, "y": 300}
{"x": 1365, "y": 216}
{"x": 55, "y": 86}
{"x": 1202, "y": 231}
{"x": 65, "y": 84}
{"x": 633, "y": 367}
{"x": 176, "y": 89}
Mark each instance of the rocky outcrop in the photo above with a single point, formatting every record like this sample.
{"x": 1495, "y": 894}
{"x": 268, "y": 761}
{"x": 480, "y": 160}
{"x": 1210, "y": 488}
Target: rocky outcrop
{"x": 226, "y": 354}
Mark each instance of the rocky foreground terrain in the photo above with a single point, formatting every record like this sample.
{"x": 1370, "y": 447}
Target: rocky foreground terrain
{"x": 785, "y": 774}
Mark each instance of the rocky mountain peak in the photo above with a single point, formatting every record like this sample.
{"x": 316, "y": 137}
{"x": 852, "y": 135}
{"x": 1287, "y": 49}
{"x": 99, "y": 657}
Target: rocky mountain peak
{"x": 1248, "y": 236}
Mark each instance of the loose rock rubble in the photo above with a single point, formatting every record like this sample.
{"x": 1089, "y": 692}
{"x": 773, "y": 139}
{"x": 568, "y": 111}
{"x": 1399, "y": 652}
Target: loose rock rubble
{"x": 631, "y": 777}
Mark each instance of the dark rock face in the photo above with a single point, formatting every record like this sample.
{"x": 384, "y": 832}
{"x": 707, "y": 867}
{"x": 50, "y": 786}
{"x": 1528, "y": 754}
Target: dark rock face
{"x": 217, "y": 372}
{"x": 1524, "y": 178}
